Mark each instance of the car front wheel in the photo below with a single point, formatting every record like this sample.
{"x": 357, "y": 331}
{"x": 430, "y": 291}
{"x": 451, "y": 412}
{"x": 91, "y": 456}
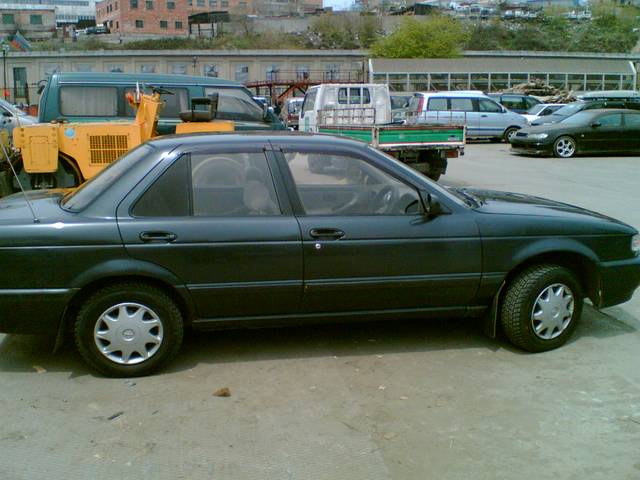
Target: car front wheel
{"x": 541, "y": 307}
{"x": 128, "y": 329}
{"x": 564, "y": 147}
{"x": 509, "y": 134}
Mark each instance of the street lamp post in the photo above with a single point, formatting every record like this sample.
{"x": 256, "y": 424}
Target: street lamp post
{"x": 5, "y": 51}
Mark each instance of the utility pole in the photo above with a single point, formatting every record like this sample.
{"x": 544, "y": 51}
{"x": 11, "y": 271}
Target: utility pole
{"x": 5, "y": 51}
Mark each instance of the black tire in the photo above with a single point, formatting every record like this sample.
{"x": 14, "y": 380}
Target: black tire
{"x": 146, "y": 296}
{"x": 570, "y": 149}
{"x": 517, "y": 309}
{"x": 508, "y": 132}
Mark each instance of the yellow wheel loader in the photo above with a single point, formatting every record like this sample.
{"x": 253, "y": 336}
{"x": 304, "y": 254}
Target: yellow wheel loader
{"x": 61, "y": 154}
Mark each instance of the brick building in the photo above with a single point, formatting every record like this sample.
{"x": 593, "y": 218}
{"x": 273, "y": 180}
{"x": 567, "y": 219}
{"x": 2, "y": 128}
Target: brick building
{"x": 35, "y": 23}
{"x": 170, "y": 17}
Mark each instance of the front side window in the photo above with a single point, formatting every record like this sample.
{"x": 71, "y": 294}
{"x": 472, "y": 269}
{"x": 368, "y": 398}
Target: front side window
{"x": 334, "y": 184}
{"x": 309, "y": 101}
{"x": 212, "y": 185}
{"x": 89, "y": 101}
{"x": 236, "y": 104}
{"x": 614, "y": 120}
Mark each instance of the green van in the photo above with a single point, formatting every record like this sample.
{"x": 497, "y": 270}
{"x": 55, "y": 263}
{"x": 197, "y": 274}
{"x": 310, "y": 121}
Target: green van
{"x": 98, "y": 97}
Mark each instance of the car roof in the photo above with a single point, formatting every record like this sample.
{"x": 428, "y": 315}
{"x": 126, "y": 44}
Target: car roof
{"x": 131, "y": 78}
{"x": 459, "y": 93}
{"x": 169, "y": 142}
{"x": 609, "y": 94}
{"x": 612, "y": 110}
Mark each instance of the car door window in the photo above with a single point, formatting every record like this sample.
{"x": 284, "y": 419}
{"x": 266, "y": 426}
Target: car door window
{"x": 309, "y": 102}
{"x": 614, "y": 120}
{"x": 173, "y": 104}
{"x": 89, "y": 101}
{"x": 462, "y": 104}
{"x": 490, "y": 106}
{"x": 632, "y": 120}
{"x": 513, "y": 102}
{"x": 205, "y": 184}
{"x": 236, "y": 104}
{"x": 332, "y": 184}
{"x": 437, "y": 104}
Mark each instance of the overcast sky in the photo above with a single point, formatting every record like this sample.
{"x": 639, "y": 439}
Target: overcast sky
{"x": 338, "y": 3}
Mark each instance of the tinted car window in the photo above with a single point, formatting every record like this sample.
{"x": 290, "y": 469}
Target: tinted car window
{"x": 437, "y": 104}
{"x": 89, "y": 101}
{"x": 485, "y": 105}
{"x": 632, "y": 120}
{"x": 614, "y": 120}
{"x": 513, "y": 102}
{"x": 340, "y": 185}
{"x": 169, "y": 196}
{"x": 462, "y": 104}
{"x": 232, "y": 184}
{"x": 173, "y": 104}
{"x": 236, "y": 104}
{"x": 530, "y": 102}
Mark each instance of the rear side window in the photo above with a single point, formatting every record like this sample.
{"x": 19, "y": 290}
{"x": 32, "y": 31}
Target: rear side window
{"x": 462, "y": 104}
{"x": 632, "y": 120}
{"x": 614, "y": 120}
{"x": 437, "y": 104}
{"x": 354, "y": 96}
{"x": 77, "y": 101}
{"x": 212, "y": 185}
{"x": 485, "y": 105}
{"x": 236, "y": 104}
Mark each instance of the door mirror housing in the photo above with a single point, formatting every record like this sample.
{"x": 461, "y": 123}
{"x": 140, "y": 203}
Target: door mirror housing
{"x": 7, "y": 114}
{"x": 431, "y": 206}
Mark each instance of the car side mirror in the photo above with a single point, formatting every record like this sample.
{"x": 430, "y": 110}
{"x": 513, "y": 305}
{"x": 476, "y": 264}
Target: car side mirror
{"x": 596, "y": 125}
{"x": 431, "y": 206}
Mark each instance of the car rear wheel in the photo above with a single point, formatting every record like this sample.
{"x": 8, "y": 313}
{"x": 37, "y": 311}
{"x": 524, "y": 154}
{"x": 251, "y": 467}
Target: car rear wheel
{"x": 509, "y": 133}
{"x": 128, "y": 329}
{"x": 541, "y": 307}
{"x": 564, "y": 147}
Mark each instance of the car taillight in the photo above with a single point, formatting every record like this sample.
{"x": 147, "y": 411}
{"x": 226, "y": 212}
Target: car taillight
{"x": 420, "y": 105}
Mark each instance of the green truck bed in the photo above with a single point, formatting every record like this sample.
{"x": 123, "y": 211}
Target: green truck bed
{"x": 403, "y": 137}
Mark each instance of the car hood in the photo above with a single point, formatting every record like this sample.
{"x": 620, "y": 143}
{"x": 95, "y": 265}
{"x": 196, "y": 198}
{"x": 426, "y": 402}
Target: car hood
{"x": 45, "y": 204}
{"x": 495, "y": 202}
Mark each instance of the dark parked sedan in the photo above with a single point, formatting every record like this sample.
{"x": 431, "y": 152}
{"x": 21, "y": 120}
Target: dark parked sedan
{"x": 589, "y": 131}
{"x": 219, "y": 231}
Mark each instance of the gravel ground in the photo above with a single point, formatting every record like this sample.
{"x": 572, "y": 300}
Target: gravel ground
{"x": 410, "y": 400}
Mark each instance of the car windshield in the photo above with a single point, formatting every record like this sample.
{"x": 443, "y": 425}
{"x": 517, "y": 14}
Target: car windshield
{"x": 580, "y": 118}
{"x": 81, "y": 197}
{"x": 536, "y": 109}
{"x": 570, "y": 109}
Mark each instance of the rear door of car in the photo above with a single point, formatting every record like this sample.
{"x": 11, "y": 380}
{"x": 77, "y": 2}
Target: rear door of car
{"x": 492, "y": 118}
{"x": 218, "y": 220}
{"x": 632, "y": 131}
{"x": 366, "y": 245}
{"x": 604, "y": 134}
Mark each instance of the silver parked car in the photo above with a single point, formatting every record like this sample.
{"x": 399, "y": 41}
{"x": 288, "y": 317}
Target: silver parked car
{"x": 483, "y": 116}
{"x": 12, "y": 116}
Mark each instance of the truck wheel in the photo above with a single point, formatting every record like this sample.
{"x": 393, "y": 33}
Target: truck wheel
{"x": 541, "y": 307}
{"x": 128, "y": 329}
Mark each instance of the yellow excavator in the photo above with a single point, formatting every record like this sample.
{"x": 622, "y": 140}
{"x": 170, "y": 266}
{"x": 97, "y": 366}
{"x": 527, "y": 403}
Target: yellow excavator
{"x": 62, "y": 154}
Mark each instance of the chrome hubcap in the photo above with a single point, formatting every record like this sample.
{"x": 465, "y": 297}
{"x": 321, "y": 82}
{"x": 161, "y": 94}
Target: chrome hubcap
{"x": 552, "y": 311}
{"x": 511, "y": 134}
{"x": 565, "y": 147}
{"x": 128, "y": 333}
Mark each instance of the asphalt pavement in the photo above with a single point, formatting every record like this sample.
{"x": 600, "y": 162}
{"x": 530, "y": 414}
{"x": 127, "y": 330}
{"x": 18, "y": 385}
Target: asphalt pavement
{"x": 395, "y": 400}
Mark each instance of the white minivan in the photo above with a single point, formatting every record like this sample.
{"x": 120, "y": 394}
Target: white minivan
{"x": 483, "y": 117}
{"x": 346, "y": 104}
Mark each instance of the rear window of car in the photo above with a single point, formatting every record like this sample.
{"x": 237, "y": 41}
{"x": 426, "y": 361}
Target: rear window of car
{"x": 79, "y": 101}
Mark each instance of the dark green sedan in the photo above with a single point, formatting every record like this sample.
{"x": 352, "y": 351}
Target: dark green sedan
{"x": 589, "y": 131}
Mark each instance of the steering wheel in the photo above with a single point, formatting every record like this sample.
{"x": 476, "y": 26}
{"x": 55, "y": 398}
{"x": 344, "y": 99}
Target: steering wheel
{"x": 347, "y": 207}
{"x": 385, "y": 200}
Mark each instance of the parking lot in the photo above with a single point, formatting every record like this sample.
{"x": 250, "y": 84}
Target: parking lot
{"x": 409, "y": 400}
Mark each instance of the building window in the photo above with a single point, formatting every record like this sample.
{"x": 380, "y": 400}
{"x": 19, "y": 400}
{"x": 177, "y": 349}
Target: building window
{"x": 332, "y": 72}
{"x": 271, "y": 72}
{"x": 179, "y": 69}
{"x": 163, "y": 24}
{"x": 171, "y": 5}
{"x": 84, "y": 67}
{"x": 139, "y": 24}
{"x": 115, "y": 68}
{"x": 302, "y": 72}
{"x": 213, "y": 3}
{"x": 211, "y": 70}
{"x": 148, "y": 68}
{"x": 190, "y": 3}
{"x": 117, "y": 25}
{"x": 149, "y": 4}
{"x": 133, "y": 4}
{"x": 178, "y": 25}
{"x": 8, "y": 18}
{"x": 115, "y": 7}
{"x": 35, "y": 19}
{"x": 200, "y": 3}
{"x": 242, "y": 73}
{"x": 224, "y": 3}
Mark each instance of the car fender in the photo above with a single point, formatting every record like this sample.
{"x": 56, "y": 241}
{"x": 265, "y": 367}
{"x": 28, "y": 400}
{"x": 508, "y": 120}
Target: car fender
{"x": 552, "y": 245}
{"x": 125, "y": 267}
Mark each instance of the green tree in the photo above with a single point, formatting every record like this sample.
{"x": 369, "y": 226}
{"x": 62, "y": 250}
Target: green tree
{"x": 435, "y": 37}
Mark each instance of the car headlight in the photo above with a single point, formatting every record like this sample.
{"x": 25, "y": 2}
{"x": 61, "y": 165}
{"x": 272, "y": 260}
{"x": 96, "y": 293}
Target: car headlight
{"x": 635, "y": 244}
{"x": 538, "y": 136}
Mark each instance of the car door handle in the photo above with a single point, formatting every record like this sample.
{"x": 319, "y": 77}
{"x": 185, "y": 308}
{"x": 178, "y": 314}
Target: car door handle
{"x": 484, "y": 116}
{"x": 326, "y": 233}
{"x": 150, "y": 237}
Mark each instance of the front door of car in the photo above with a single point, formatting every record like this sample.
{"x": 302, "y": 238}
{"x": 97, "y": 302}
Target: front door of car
{"x": 368, "y": 247}
{"x": 603, "y": 134}
{"x": 215, "y": 220}
{"x": 493, "y": 118}
{"x": 466, "y": 108}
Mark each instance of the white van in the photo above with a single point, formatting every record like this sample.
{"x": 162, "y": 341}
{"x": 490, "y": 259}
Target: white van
{"x": 483, "y": 116}
{"x": 345, "y": 104}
